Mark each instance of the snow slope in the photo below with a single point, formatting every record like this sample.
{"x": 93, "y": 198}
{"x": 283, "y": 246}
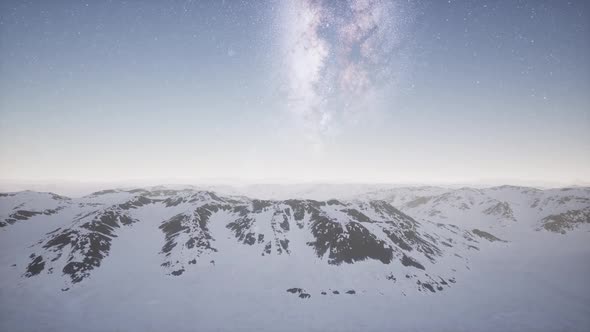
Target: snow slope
{"x": 184, "y": 259}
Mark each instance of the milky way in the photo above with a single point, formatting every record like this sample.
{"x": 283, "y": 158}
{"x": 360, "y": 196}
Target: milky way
{"x": 296, "y": 90}
{"x": 339, "y": 58}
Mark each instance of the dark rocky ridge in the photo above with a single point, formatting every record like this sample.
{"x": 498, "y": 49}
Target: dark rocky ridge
{"x": 86, "y": 242}
{"x": 569, "y": 220}
{"x": 486, "y": 235}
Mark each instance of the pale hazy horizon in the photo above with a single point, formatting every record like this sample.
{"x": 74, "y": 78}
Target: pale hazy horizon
{"x": 307, "y": 91}
{"x": 75, "y": 188}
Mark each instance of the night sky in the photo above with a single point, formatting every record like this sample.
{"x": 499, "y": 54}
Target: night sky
{"x": 302, "y": 90}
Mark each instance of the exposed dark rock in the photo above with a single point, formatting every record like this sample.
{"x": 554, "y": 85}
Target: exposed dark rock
{"x": 104, "y": 192}
{"x": 397, "y": 240}
{"x": 387, "y": 210}
{"x": 298, "y": 208}
{"x": 94, "y": 247}
{"x": 135, "y": 203}
{"x": 195, "y": 227}
{"x": 177, "y": 272}
{"x": 173, "y": 201}
{"x": 295, "y": 290}
{"x": 240, "y": 228}
{"x": 171, "y": 229}
{"x": 24, "y": 214}
{"x": 285, "y": 244}
{"x": 21, "y": 215}
{"x": 427, "y": 248}
{"x": 429, "y": 287}
{"x": 347, "y": 243}
{"x": 486, "y": 235}
{"x": 241, "y": 210}
{"x": 501, "y": 209}
{"x": 88, "y": 242}
{"x": 358, "y": 216}
{"x": 408, "y": 261}
{"x": 250, "y": 239}
{"x": 35, "y": 267}
{"x": 259, "y": 205}
{"x": 560, "y": 223}
{"x": 352, "y": 291}
{"x": 285, "y": 223}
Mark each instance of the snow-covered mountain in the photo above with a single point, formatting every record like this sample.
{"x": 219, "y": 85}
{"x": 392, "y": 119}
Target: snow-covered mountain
{"x": 372, "y": 243}
{"x": 200, "y": 228}
{"x": 504, "y": 209}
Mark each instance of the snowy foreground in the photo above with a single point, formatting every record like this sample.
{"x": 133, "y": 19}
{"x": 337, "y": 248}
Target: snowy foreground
{"x": 296, "y": 258}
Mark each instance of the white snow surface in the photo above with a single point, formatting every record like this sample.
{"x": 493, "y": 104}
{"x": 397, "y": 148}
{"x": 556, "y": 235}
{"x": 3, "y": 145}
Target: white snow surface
{"x": 537, "y": 281}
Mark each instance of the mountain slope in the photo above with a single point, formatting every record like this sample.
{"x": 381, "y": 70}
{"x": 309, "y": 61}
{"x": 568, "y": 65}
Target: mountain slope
{"x": 199, "y": 227}
{"x": 185, "y": 259}
{"x": 506, "y": 210}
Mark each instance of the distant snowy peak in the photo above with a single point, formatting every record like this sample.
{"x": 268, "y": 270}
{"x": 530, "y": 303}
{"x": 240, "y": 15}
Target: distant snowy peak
{"x": 489, "y": 207}
{"x": 19, "y": 206}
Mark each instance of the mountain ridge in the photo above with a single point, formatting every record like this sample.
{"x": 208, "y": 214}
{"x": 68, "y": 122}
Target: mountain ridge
{"x": 74, "y": 236}
{"x": 332, "y": 232}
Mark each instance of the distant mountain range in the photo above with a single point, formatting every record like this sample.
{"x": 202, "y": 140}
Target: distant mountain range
{"x": 419, "y": 238}
{"x": 505, "y": 207}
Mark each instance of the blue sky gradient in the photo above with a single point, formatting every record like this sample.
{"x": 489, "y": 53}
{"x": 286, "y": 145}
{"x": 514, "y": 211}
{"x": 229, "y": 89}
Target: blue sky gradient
{"x": 197, "y": 90}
